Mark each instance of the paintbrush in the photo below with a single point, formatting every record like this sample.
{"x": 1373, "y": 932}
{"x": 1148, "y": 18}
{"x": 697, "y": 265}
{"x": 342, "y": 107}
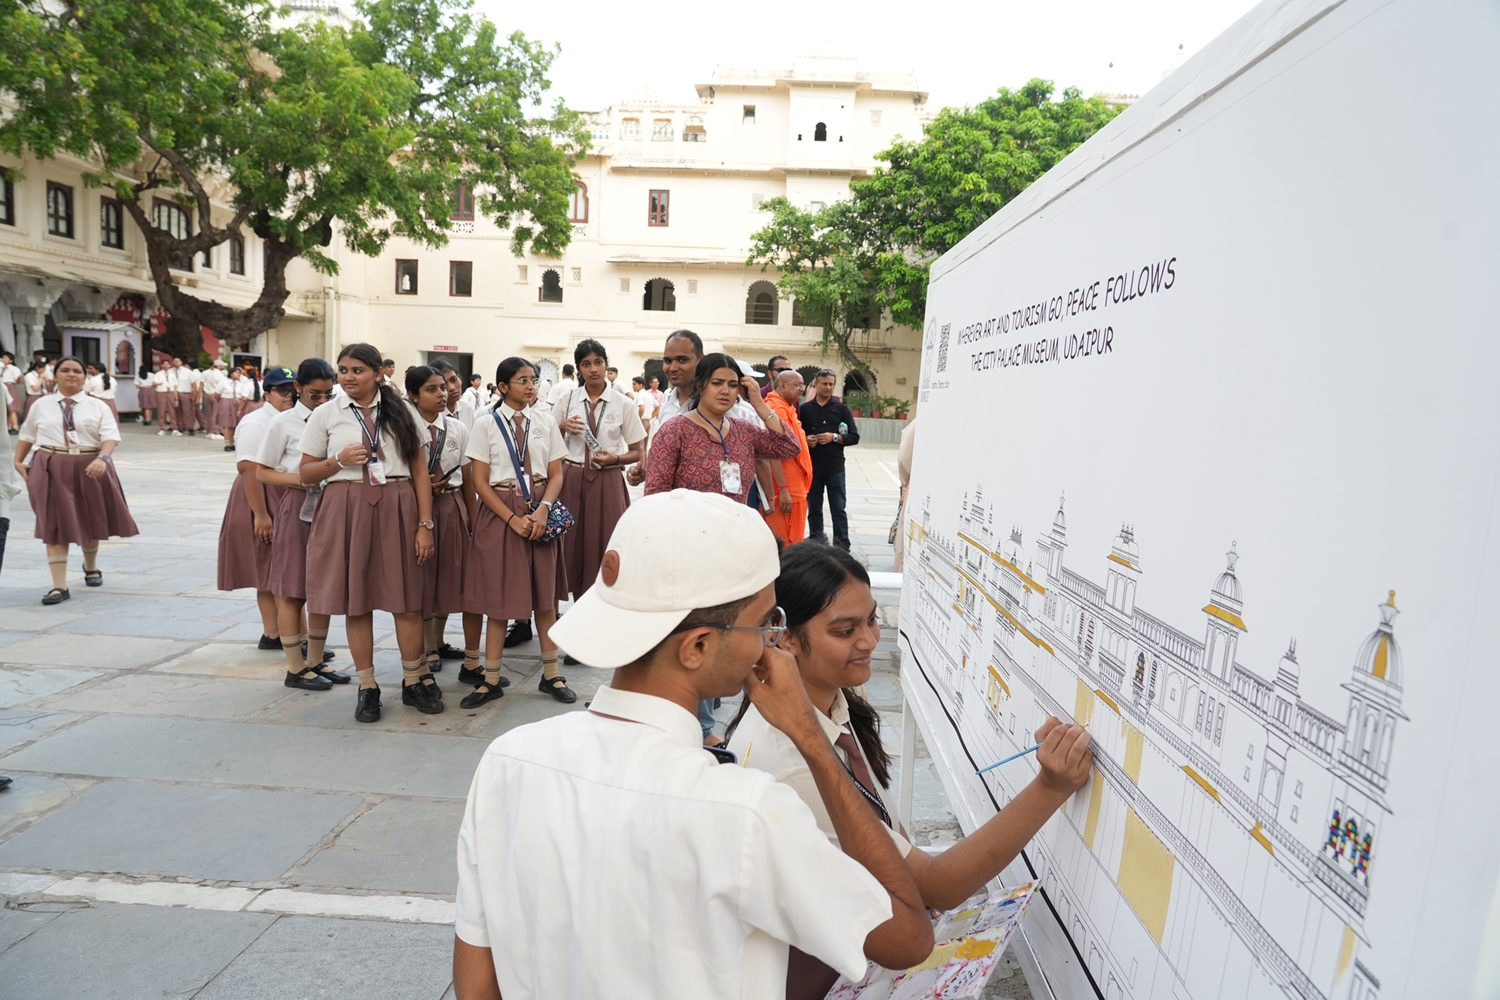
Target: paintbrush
{"x": 1009, "y": 759}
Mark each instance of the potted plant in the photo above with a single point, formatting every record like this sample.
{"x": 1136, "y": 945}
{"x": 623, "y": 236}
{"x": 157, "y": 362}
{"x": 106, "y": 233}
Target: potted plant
{"x": 903, "y": 407}
{"x": 856, "y": 402}
{"x": 877, "y": 406}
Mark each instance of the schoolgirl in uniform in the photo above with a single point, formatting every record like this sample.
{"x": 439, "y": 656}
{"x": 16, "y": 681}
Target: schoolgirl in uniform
{"x": 278, "y": 465}
{"x": 35, "y": 383}
{"x": 245, "y": 533}
{"x": 101, "y": 386}
{"x": 10, "y": 386}
{"x": 231, "y": 401}
{"x": 454, "y": 506}
{"x": 75, "y": 492}
{"x": 603, "y": 431}
{"x": 145, "y": 391}
{"x": 518, "y": 454}
{"x": 373, "y": 528}
{"x": 162, "y": 382}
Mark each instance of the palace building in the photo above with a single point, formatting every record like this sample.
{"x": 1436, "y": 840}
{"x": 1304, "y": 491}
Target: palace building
{"x": 1231, "y": 817}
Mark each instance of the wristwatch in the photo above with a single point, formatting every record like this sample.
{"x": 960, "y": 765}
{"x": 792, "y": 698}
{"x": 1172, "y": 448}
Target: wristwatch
{"x": 429, "y": 525}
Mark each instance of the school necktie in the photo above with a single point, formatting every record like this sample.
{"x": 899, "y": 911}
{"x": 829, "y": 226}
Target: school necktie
{"x": 588, "y": 453}
{"x": 434, "y": 460}
{"x": 846, "y": 743}
{"x": 68, "y": 425}
{"x": 369, "y": 415}
{"x": 519, "y": 419}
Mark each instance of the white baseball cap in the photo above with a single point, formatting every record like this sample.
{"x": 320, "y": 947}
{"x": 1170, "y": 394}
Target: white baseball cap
{"x": 670, "y": 553}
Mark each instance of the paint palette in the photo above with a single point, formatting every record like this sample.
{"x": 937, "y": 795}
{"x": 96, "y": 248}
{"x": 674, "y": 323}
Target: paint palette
{"x": 970, "y": 940}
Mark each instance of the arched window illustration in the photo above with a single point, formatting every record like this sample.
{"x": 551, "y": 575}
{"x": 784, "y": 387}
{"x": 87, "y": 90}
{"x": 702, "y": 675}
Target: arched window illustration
{"x": 820, "y": 132}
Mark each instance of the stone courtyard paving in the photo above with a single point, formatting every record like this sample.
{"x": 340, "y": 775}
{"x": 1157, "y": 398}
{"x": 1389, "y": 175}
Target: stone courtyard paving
{"x": 183, "y": 825}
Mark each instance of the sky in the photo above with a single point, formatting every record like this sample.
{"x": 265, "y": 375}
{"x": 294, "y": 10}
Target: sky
{"x": 961, "y": 52}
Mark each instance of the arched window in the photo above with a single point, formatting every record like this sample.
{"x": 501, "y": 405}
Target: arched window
{"x": 856, "y": 381}
{"x": 820, "y": 132}
{"x": 695, "y": 133}
{"x": 760, "y": 304}
{"x": 578, "y": 205}
{"x": 551, "y": 290}
{"x": 659, "y": 297}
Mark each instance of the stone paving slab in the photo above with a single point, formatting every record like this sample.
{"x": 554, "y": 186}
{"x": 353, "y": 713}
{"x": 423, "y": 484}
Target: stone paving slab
{"x": 34, "y": 795}
{"x": 20, "y": 725}
{"x": 18, "y": 687}
{"x": 323, "y": 957}
{"x": 114, "y": 653}
{"x": 118, "y": 952}
{"x": 356, "y": 760}
{"x": 193, "y": 831}
{"x": 400, "y": 845}
{"x": 175, "y": 695}
{"x": 17, "y": 924}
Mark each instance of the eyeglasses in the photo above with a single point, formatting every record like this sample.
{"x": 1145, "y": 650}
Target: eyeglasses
{"x": 285, "y": 390}
{"x": 774, "y": 628}
{"x": 523, "y": 382}
{"x": 827, "y": 373}
{"x": 318, "y": 397}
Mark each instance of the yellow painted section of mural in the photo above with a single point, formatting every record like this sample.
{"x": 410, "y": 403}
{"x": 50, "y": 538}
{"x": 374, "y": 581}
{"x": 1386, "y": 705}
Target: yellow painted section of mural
{"x": 1083, "y": 705}
{"x": 1134, "y": 742}
{"x": 1145, "y": 876}
{"x": 1346, "y": 955}
{"x": 1096, "y": 798}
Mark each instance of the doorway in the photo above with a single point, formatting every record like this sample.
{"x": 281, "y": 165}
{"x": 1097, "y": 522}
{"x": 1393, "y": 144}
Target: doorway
{"x": 463, "y": 363}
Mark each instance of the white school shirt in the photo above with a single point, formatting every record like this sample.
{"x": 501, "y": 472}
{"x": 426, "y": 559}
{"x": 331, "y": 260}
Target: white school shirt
{"x": 544, "y": 440}
{"x": 619, "y": 423}
{"x": 452, "y": 460}
{"x": 9, "y": 374}
{"x": 477, "y": 398}
{"x": 160, "y": 380}
{"x": 250, "y": 435}
{"x": 671, "y": 407}
{"x": 613, "y": 857}
{"x": 557, "y": 392}
{"x": 214, "y": 382}
{"x": 281, "y": 447}
{"x": 93, "y": 424}
{"x": 94, "y": 386}
{"x": 465, "y": 413}
{"x": 181, "y": 379}
{"x": 33, "y": 383}
{"x": 645, "y": 405}
{"x": 772, "y": 751}
{"x": 146, "y": 381}
{"x": 333, "y": 427}
{"x": 241, "y": 388}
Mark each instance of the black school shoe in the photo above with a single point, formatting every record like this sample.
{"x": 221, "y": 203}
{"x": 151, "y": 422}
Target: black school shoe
{"x": 268, "y": 644}
{"x": 482, "y": 693}
{"x": 333, "y": 676}
{"x": 447, "y": 652}
{"x": 519, "y": 632}
{"x": 56, "y": 595}
{"x": 317, "y": 682}
{"x": 327, "y": 653}
{"x": 367, "y": 706}
{"x": 558, "y": 688}
{"x": 4, "y": 780}
{"x": 472, "y": 677}
{"x": 424, "y": 697}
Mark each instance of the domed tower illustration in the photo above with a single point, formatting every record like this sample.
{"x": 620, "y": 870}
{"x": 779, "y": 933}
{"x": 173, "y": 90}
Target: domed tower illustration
{"x": 1123, "y": 573}
{"x": 1362, "y": 765}
{"x": 1051, "y": 546}
{"x": 1224, "y": 608}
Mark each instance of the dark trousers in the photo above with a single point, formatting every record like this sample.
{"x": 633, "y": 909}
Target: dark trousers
{"x": 834, "y": 483}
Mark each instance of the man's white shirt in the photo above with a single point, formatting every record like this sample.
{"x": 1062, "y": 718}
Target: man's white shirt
{"x": 605, "y": 854}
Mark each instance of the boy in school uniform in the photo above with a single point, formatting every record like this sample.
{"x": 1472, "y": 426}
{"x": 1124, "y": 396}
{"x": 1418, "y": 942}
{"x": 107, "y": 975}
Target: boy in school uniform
{"x": 612, "y": 833}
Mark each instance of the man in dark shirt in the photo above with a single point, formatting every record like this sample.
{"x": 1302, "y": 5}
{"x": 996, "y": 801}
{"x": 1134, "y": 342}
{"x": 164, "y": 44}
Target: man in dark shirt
{"x": 774, "y": 368}
{"x": 826, "y": 440}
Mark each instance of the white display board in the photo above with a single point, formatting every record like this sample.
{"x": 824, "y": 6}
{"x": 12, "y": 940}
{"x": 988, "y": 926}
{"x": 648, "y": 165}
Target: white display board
{"x": 1209, "y": 459}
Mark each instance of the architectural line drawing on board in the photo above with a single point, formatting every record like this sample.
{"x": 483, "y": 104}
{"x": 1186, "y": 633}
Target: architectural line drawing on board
{"x": 1218, "y": 793}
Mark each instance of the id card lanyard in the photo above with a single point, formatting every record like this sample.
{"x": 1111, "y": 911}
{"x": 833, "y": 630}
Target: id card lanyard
{"x": 70, "y": 426}
{"x": 729, "y": 472}
{"x": 373, "y": 464}
{"x": 517, "y": 458}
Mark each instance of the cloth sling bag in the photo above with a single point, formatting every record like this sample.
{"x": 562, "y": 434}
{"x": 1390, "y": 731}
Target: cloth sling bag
{"x": 559, "y": 518}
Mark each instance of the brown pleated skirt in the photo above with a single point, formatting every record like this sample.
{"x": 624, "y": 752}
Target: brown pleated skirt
{"x": 508, "y": 576}
{"x": 597, "y": 498}
{"x": 226, "y": 412}
{"x": 72, "y": 508}
{"x": 286, "y": 573}
{"x": 243, "y": 558}
{"x": 361, "y": 552}
{"x": 15, "y": 397}
{"x": 443, "y": 574}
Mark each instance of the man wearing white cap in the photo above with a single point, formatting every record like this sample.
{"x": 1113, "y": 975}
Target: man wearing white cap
{"x": 606, "y": 854}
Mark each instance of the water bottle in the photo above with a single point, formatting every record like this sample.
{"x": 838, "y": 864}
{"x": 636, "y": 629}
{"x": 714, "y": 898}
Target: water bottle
{"x": 843, "y": 429}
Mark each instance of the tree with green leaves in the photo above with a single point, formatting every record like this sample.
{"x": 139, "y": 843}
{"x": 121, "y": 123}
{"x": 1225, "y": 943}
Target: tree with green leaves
{"x": 871, "y": 254}
{"x": 310, "y": 131}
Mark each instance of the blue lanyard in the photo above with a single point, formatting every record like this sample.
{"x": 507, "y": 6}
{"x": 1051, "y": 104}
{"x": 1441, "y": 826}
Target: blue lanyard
{"x": 718, "y": 430}
{"x": 369, "y": 438}
{"x": 517, "y": 461}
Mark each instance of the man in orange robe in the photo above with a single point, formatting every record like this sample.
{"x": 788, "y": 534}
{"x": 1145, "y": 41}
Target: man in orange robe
{"x": 788, "y": 516}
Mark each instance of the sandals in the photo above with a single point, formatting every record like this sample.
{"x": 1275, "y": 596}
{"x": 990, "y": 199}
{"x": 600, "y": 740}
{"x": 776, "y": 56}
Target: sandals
{"x": 56, "y": 595}
{"x": 93, "y": 578}
{"x": 558, "y": 688}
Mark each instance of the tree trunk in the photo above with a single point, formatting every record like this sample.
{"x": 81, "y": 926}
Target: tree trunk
{"x": 183, "y": 339}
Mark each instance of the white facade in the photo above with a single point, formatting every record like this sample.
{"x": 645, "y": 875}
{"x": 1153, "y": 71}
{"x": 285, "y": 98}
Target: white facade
{"x": 813, "y": 129}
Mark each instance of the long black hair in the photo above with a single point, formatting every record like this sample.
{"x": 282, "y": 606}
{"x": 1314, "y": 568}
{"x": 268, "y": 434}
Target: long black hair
{"x": 506, "y": 370}
{"x": 418, "y": 376}
{"x": 314, "y": 370}
{"x": 812, "y": 574}
{"x": 103, "y": 371}
{"x": 395, "y": 418}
